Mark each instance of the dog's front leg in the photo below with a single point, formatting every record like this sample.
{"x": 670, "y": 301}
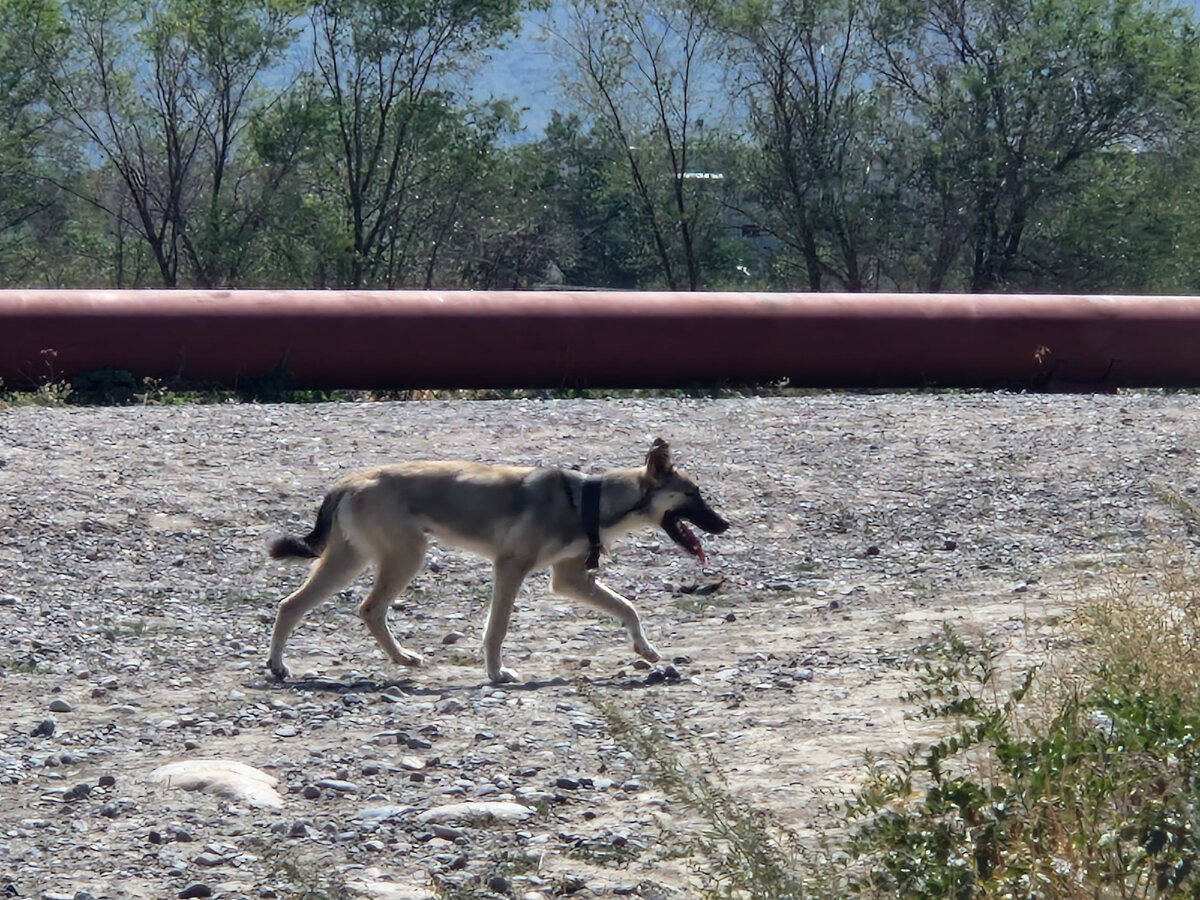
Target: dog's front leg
{"x": 571, "y": 578}
{"x": 508, "y": 574}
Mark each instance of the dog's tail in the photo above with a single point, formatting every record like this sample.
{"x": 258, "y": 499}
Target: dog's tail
{"x": 312, "y": 544}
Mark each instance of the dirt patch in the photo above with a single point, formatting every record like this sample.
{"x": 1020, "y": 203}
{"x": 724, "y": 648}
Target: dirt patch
{"x": 136, "y": 604}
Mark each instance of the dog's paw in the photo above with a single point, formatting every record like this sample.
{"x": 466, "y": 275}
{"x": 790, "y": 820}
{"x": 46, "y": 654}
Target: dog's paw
{"x": 408, "y": 658}
{"x": 646, "y": 650}
{"x": 503, "y": 676}
{"x": 279, "y": 671}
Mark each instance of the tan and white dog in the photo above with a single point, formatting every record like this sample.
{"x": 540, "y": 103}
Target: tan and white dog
{"x": 522, "y": 519}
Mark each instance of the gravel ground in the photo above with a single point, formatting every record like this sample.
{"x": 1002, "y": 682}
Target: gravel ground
{"x": 136, "y": 603}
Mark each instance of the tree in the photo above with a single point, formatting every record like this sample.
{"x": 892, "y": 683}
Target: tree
{"x": 224, "y": 47}
{"x": 527, "y": 232}
{"x": 31, "y": 40}
{"x": 1130, "y": 224}
{"x": 386, "y": 70}
{"x": 801, "y": 68}
{"x": 168, "y": 125}
{"x": 641, "y": 67}
{"x": 1005, "y": 97}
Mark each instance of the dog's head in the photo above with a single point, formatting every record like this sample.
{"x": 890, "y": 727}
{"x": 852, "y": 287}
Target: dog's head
{"x": 674, "y": 498}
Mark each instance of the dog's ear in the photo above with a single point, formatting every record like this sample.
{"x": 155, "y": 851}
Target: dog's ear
{"x": 658, "y": 460}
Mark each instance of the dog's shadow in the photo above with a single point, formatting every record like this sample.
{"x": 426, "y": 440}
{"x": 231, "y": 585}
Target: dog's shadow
{"x": 407, "y": 688}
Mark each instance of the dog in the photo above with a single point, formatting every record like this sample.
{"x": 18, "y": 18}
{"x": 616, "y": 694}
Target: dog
{"x": 522, "y": 519}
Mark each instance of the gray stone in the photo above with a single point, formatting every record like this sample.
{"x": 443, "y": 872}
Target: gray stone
{"x": 379, "y": 814}
{"x": 335, "y": 784}
{"x": 476, "y": 812}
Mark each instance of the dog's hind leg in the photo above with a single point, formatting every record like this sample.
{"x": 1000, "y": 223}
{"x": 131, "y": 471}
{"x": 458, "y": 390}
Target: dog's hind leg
{"x": 391, "y": 576}
{"x": 508, "y": 574}
{"x": 570, "y": 578}
{"x": 336, "y": 568}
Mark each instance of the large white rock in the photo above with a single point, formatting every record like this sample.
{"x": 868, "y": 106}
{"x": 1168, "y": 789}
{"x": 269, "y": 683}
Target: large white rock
{"x": 476, "y": 812}
{"x": 374, "y": 884}
{"x": 223, "y": 777}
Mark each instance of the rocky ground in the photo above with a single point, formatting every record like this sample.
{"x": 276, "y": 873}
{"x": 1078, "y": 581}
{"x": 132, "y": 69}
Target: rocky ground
{"x": 136, "y": 601}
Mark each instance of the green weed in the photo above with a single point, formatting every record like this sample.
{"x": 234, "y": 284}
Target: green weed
{"x": 748, "y": 854}
{"x": 25, "y": 666}
{"x": 1096, "y": 799}
{"x": 308, "y": 881}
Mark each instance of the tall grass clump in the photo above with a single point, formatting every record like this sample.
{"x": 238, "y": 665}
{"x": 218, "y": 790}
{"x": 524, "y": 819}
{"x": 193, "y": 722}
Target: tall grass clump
{"x": 1091, "y": 789}
{"x": 742, "y": 852}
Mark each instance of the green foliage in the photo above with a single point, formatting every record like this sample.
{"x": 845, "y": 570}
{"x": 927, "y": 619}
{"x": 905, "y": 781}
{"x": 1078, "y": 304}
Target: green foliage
{"x": 32, "y": 37}
{"x": 1008, "y": 97}
{"x": 982, "y": 145}
{"x": 1129, "y": 223}
{"x": 1097, "y": 799}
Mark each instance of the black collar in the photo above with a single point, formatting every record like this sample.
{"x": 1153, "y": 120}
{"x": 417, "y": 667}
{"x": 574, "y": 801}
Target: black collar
{"x": 589, "y": 513}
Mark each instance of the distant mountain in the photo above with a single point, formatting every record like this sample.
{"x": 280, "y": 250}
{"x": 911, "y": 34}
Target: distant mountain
{"x": 526, "y": 71}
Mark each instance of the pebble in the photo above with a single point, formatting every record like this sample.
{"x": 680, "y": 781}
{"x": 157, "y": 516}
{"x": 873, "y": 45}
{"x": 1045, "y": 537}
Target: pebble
{"x": 195, "y": 889}
{"x": 60, "y": 706}
{"x": 476, "y": 811}
{"x": 448, "y": 833}
{"x": 45, "y": 728}
{"x": 341, "y": 787}
{"x": 667, "y": 673}
{"x": 380, "y": 814}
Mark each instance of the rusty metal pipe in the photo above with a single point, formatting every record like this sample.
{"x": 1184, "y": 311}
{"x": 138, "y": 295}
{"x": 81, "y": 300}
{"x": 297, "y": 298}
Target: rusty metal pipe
{"x": 465, "y": 339}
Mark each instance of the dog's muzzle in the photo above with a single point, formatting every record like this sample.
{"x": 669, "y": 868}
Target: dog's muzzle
{"x": 700, "y": 515}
